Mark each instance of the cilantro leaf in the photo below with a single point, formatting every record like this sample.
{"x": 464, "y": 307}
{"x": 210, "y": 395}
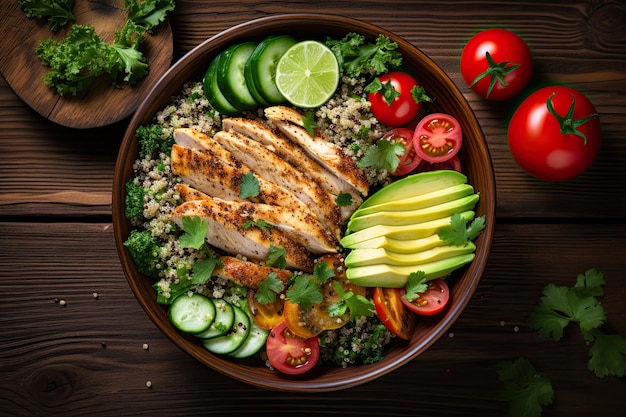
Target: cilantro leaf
{"x": 416, "y": 285}
{"x": 526, "y": 390}
{"x": 203, "y": 269}
{"x": 261, "y": 224}
{"x": 607, "y": 355}
{"x": 344, "y": 199}
{"x": 268, "y": 289}
{"x": 382, "y": 155}
{"x": 195, "y": 230}
{"x": 304, "y": 292}
{"x": 590, "y": 283}
{"x": 458, "y": 233}
{"x": 387, "y": 90}
{"x": 322, "y": 272}
{"x": 309, "y": 123}
{"x": 249, "y": 186}
{"x": 276, "y": 257}
{"x": 355, "y": 304}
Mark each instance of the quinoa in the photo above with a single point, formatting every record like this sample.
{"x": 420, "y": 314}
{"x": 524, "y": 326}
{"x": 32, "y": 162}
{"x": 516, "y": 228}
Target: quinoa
{"x": 345, "y": 120}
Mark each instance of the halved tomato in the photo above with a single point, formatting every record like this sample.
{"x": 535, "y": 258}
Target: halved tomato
{"x": 409, "y": 161}
{"x": 431, "y": 301}
{"x": 289, "y": 353}
{"x": 437, "y": 137}
{"x": 453, "y": 163}
{"x": 267, "y": 315}
{"x": 392, "y": 312}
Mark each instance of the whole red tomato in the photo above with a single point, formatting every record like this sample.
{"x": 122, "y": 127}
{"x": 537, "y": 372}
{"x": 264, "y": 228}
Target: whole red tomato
{"x": 496, "y": 64}
{"x": 396, "y": 98}
{"x": 554, "y": 134}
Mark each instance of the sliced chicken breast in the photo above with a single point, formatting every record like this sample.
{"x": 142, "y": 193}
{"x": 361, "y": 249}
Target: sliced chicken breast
{"x": 207, "y": 172}
{"x": 248, "y": 273}
{"x": 229, "y": 232}
{"x": 272, "y": 167}
{"x": 329, "y": 155}
{"x": 296, "y": 157}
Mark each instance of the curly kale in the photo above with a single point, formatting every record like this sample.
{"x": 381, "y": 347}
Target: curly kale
{"x": 134, "y": 201}
{"x": 143, "y": 248}
{"x": 356, "y": 57}
{"x": 57, "y": 13}
{"x": 151, "y": 141}
{"x": 82, "y": 56}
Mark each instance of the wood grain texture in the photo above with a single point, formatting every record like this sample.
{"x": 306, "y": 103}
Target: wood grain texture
{"x": 53, "y": 362}
{"x": 56, "y": 241}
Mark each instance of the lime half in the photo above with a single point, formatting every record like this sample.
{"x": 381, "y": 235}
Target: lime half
{"x": 307, "y": 74}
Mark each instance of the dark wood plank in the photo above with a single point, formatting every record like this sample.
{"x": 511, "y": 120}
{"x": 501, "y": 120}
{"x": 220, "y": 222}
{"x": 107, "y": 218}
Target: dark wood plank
{"x": 52, "y": 359}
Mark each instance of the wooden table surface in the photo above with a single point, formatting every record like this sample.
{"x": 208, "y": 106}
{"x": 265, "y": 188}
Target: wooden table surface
{"x": 86, "y": 358}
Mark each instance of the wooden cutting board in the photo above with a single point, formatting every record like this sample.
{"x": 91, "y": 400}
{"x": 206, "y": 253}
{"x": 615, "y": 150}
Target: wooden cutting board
{"x": 101, "y": 103}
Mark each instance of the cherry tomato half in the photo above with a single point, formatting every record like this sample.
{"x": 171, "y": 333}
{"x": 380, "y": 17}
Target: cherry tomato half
{"x": 267, "y": 316}
{"x": 437, "y": 137}
{"x": 431, "y": 301}
{"x": 392, "y": 312}
{"x": 496, "y": 64}
{"x": 554, "y": 134}
{"x": 409, "y": 161}
{"x": 394, "y": 104}
{"x": 289, "y": 353}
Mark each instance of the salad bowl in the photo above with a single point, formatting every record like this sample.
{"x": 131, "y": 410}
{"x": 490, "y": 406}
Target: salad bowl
{"x": 476, "y": 162}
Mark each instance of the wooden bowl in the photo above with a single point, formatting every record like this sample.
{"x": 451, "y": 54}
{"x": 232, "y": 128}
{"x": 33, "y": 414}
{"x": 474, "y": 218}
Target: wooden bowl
{"x": 477, "y": 166}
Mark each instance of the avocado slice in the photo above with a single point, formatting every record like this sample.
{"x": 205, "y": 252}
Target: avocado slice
{"x": 403, "y": 232}
{"x": 362, "y": 257}
{"x": 414, "y": 185}
{"x": 410, "y": 217}
{"x": 400, "y": 246}
{"x": 395, "y": 276}
{"x": 419, "y": 201}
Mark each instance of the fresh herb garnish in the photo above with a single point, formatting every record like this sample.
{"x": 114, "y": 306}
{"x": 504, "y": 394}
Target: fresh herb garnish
{"x": 356, "y": 57}
{"x": 308, "y": 122}
{"x": 249, "y": 186}
{"x": 304, "y": 291}
{"x": 260, "y": 223}
{"x": 459, "y": 233}
{"x": 561, "y": 305}
{"x": 416, "y": 285}
{"x": 57, "y": 13}
{"x": 344, "y": 199}
{"x": 382, "y": 155}
{"x": 276, "y": 257}
{"x": 268, "y": 289}
{"x": 526, "y": 390}
{"x": 355, "y": 304}
{"x": 194, "y": 232}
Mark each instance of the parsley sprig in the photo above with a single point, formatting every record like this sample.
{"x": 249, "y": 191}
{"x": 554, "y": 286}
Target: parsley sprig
{"x": 458, "y": 233}
{"x": 526, "y": 390}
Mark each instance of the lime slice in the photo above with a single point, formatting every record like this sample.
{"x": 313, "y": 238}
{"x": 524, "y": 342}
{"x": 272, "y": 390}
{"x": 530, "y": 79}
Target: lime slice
{"x": 307, "y": 74}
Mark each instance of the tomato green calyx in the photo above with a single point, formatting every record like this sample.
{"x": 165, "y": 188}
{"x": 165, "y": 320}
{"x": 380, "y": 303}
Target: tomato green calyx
{"x": 387, "y": 90}
{"x": 496, "y": 72}
{"x": 567, "y": 123}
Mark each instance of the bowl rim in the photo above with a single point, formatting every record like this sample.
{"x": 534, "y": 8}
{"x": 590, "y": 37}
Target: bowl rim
{"x": 358, "y": 375}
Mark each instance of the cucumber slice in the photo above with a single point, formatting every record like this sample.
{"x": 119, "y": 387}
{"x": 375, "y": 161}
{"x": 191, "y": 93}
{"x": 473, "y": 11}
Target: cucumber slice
{"x": 260, "y": 69}
{"x": 231, "y": 78}
{"x": 212, "y": 91}
{"x": 192, "y": 314}
{"x": 254, "y": 342}
{"x": 223, "y": 322}
{"x": 234, "y": 338}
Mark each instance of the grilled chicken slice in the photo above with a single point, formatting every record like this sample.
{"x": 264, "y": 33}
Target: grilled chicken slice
{"x": 193, "y": 139}
{"x": 296, "y": 157}
{"x": 207, "y": 172}
{"x": 272, "y": 167}
{"x": 248, "y": 273}
{"x": 228, "y": 232}
{"x": 302, "y": 227}
{"x": 331, "y": 156}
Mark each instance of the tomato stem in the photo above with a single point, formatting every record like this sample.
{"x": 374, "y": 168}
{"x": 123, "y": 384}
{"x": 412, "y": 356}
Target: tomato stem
{"x": 567, "y": 123}
{"x": 496, "y": 72}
